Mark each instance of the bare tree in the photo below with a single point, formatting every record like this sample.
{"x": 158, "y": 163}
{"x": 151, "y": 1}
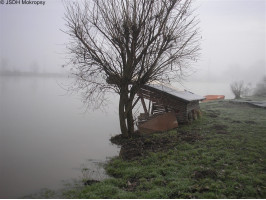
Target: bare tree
{"x": 120, "y": 45}
{"x": 239, "y": 89}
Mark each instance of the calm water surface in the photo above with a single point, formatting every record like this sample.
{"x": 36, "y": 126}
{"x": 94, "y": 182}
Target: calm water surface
{"x": 45, "y": 136}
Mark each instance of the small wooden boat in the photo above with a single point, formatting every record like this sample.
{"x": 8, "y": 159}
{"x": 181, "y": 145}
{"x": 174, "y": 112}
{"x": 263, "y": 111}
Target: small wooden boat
{"x": 160, "y": 123}
{"x": 213, "y": 97}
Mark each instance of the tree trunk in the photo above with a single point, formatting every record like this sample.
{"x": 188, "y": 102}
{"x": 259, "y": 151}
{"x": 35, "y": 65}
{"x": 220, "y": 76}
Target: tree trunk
{"x": 237, "y": 96}
{"x": 130, "y": 120}
{"x": 122, "y": 116}
{"x": 126, "y": 113}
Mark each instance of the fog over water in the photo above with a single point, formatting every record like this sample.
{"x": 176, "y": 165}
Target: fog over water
{"x": 46, "y": 134}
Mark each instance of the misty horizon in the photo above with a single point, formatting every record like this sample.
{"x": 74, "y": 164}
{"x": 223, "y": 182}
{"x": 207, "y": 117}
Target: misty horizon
{"x": 233, "y": 39}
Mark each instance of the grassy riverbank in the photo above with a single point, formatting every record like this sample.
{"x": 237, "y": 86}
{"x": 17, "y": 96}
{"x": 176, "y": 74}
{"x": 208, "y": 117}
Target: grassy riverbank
{"x": 222, "y": 155}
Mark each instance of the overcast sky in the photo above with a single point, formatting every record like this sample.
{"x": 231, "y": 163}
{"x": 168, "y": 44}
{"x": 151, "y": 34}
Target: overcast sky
{"x": 233, "y": 38}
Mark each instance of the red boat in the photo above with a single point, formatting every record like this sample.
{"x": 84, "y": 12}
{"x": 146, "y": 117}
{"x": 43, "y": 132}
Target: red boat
{"x": 213, "y": 98}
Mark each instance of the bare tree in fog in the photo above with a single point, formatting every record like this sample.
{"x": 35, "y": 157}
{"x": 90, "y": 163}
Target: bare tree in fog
{"x": 239, "y": 89}
{"x": 260, "y": 89}
{"x": 120, "y": 45}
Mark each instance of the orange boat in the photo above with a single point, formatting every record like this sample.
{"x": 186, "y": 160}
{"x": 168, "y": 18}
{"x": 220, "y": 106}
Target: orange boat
{"x": 213, "y": 97}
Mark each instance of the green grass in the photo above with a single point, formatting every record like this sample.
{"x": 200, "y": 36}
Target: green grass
{"x": 227, "y": 162}
{"x": 255, "y": 98}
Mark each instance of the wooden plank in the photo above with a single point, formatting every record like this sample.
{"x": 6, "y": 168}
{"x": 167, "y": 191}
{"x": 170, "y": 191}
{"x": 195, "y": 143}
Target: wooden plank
{"x": 135, "y": 102}
{"x": 162, "y": 100}
{"x": 144, "y": 105}
{"x": 149, "y": 106}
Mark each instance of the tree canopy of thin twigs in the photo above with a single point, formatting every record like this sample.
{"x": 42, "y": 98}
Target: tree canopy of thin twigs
{"x": 239, "y": 88}
{"x": 121, "y": 45}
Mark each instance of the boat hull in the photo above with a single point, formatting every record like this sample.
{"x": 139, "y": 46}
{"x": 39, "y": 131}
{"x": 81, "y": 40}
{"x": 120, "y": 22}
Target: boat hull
{"x": 213, "y": 98}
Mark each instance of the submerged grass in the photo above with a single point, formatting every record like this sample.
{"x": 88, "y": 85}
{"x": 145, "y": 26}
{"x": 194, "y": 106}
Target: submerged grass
{"x": 228, "y": 161}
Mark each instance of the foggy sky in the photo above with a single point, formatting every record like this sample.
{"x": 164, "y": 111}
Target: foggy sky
{"x": 233, "y": 38}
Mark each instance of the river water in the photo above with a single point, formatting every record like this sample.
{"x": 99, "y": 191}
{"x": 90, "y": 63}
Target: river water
{"x": 46, "y": 136}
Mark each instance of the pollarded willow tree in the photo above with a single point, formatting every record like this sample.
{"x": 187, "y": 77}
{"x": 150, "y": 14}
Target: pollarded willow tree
{"x": 121, "y": 45}
{"x": 239, "y": 88}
